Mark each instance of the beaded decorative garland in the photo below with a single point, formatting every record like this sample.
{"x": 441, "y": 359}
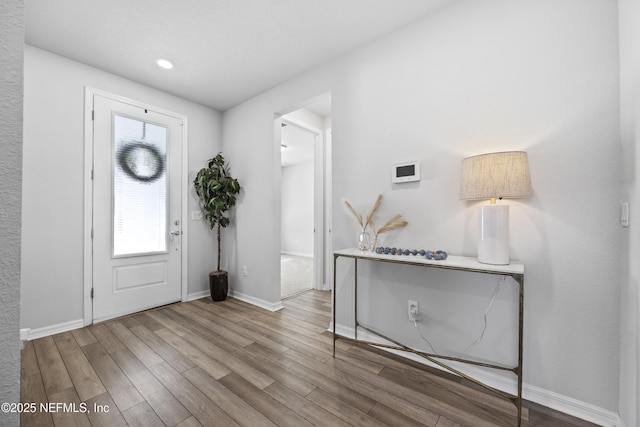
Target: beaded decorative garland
{"x": 433, "y": 255}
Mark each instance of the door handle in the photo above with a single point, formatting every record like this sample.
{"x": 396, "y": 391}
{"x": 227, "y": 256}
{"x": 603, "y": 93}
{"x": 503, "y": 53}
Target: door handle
{"x": 176, "y": 233}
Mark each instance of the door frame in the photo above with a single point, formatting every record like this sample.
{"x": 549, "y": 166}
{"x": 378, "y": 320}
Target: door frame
{"x": 90, "y": 93}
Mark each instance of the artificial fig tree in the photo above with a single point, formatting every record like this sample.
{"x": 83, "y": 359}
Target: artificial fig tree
{"x": 217, "y": 191}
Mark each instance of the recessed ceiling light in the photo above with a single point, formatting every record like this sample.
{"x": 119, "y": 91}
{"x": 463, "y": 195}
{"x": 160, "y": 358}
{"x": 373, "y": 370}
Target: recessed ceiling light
{"x": 164, "y": 63}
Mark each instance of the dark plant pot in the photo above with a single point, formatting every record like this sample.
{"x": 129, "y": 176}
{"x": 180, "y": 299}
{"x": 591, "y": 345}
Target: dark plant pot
{"x": 219, "y": 285}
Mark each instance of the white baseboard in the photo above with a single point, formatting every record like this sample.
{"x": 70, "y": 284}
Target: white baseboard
{"x": 549, "y": 399}
{"x": 296, "y": 254}
{"x": 257, "y": 302}
{"x": 32, "y": 334}
{"x": 198, "y": 295}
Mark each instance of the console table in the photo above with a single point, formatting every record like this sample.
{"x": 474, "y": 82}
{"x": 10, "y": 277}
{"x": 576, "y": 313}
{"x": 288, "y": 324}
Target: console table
{"x": 514, "y": 270}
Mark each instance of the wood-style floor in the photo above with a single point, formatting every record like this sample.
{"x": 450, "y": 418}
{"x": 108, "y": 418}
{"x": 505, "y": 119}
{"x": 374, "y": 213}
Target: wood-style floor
{"x": 230, "y": 363}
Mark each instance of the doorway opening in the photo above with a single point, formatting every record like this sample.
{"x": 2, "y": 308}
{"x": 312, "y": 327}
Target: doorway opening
{"x": 303, "y": 214}
{"x": 297, "y": 211}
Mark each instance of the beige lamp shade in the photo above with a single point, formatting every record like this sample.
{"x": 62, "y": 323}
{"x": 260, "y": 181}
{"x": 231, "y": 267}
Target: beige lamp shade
{"x": 496, "y": 175}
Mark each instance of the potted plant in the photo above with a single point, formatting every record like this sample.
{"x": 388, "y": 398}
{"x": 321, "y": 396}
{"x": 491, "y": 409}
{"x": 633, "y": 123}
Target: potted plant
{"x": 217, "y": 192}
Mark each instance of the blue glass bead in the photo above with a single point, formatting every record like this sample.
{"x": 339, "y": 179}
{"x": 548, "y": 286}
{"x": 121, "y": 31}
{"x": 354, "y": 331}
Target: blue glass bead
{"x": 414, "y": 252}
{"x": 407, "y": 251}
{"x": 436, "y": 255}
{"x": 379, "y": 250}
{"x": 393, "y": 251}
{"x": 386, "y": 250}
{"x": 421, "y": 252}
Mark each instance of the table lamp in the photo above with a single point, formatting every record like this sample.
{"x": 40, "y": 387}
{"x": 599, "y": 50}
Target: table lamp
{"x": 495, "y": 176}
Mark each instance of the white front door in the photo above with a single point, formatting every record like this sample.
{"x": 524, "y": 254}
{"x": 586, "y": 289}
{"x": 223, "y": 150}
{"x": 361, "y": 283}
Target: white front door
{"x": 137, "y": 237}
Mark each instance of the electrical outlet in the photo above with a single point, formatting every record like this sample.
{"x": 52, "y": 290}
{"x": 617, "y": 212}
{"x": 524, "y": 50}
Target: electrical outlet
{"x": 624, "y": 214}
{"x": 414, "y": 310}
{"x": 244, "y": 271}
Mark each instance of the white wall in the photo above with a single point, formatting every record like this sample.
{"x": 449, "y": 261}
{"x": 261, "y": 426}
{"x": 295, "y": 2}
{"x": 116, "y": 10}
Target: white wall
{"x": 52, "y": 220}
{"x": 475, "y": 77}
{"x": 297, "y": 209}
{"x": 11, "y": 79}
{"x": 629, "y": 15}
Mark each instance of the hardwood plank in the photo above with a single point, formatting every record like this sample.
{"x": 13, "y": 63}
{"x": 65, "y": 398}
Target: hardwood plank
{"x": 129, "y": 321}
{"x": 105, "y": 337}
{"x": 28, "y": 361}
{"x": 161, "y": 317}
{"x": 194, "y": 313}
{"x": 219, "y": 325}
{"x": 337, "y": 382}
{"x": 142, "y": 415}
{"x": 270, "y": 363}
{"x": 376, "y": 393}
{"x": 443, "y": 422}
{"x": 141, "y": 350}
{"x": 223, "y": 309}
{"x": 305, "y": 307}
{"x": 72, "y": 415}
{"x": 416, "y": 400}
{"x": 103, "y": 412}
{"x": 32, "y": 391}
{"x": 148, "y": 322}
{"x": 234, "y": 406}
{"x": 542, "y": 416}
{"x": 280, "y": 414}
{"x": 123, "y": 393}
{"x": 290, "y": 318}
{"x": 397, "y": 366}
{"x": 84, "y": 378}
{"x": 343, "y": 410}
{"x": 207, "y": 412}
{"x": 305, "y": 408}
{"x": 83, "y": 336}
{"x": 173, "y": 357}
{"x": 191, "y": 422}
{"x": 285, "y": 340}
{"x": 54, "y": 374}
{"x": 391, "y": 417}
{"x": 165, "y": 405}
{"x": 209, "y": 335}
{"x": 325, "y": 380}
{"x": 319, "y": 343}
{"x": 234, "y": 364}
{"x": 197, "y": 356}
{"x": 488, "y": 406}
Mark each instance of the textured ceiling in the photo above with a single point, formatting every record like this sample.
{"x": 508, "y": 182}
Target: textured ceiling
{"x": 225, "y": 51}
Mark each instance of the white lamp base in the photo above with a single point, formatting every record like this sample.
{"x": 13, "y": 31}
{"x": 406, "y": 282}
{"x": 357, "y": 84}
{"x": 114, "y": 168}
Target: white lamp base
{"x": 493, "y": 246}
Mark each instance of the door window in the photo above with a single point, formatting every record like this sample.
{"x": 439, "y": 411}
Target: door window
{"x": 140, "y": 200}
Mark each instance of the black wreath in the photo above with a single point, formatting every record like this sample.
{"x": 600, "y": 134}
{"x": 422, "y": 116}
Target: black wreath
{"x": 128, "y": 164}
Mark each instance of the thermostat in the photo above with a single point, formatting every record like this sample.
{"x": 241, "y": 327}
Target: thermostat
{"x": 405, "y": 172}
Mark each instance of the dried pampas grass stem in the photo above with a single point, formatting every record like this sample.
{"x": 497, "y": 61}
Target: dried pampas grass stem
{"x": 372, "y": 211}
{"x": 394, "y": 223}
{"x": 353, "y": 212}
{"x": 364, "y": 222}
